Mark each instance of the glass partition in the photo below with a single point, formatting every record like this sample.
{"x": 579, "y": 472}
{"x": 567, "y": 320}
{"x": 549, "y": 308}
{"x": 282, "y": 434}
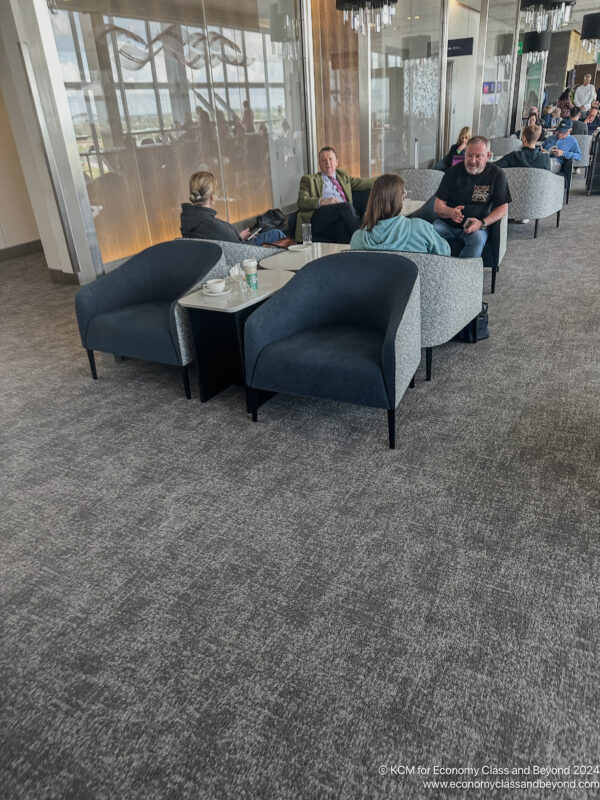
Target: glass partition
{"x": 206, "y": 85}
{"x": 497, "y": 70}
{"x": 463, "y": 42}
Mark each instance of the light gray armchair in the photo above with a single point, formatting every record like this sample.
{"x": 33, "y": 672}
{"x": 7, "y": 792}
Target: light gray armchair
{"x": 536, "y": 193}
{"x": 236, "y": 252}
{"x": 420, "y": 183}
{"x": 585, "y": 143}
{"x": 451, "y": 297}
{"x": 505, "y": 145}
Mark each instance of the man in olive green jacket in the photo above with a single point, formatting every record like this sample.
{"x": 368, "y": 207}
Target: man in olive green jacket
{"x": 325, "y": 200}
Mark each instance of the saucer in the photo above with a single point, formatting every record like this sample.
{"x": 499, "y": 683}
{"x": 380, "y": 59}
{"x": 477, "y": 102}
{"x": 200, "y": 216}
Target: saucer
{"x": 295, "y": 248}
{"x": 216, "y": 294}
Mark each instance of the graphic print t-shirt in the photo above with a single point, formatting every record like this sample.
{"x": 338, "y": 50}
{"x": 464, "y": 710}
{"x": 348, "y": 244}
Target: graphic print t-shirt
{"x": 479, "y": 194}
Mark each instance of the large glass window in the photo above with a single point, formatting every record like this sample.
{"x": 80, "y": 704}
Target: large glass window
{"x": 461, "y": 72}
{"x": 200, "y": 86}
{"x": 497, "y": 70}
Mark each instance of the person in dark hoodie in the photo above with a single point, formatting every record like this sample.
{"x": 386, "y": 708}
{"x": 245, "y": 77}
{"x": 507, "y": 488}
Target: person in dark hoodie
{"x": 199, "y": 217}
{"x": 384, "y": 227}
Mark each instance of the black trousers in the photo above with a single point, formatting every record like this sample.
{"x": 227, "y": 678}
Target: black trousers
{"x": 335, "y": 223}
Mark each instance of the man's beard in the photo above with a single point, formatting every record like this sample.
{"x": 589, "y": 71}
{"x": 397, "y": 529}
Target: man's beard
{"x": 475, "y": 170}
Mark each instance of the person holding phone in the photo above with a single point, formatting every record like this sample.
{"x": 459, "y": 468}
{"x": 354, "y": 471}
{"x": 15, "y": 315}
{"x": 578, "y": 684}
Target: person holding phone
{"x": 199, "y": 217}
{"x": 471, "y": 196}
{"x": 562, "y": 146}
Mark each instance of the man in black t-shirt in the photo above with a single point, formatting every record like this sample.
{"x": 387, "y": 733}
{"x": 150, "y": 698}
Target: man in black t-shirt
{"x": 470, "y": 197}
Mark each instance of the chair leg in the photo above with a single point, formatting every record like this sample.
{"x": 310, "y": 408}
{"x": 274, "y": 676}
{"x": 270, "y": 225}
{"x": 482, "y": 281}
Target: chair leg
{"x": 535, "y": 230}
{"x": 494, "y": 271}
{"x": 392, "y": 427}
{"x": 186, "y": 382}
{"x": 557, "y": 218}
{"x": 411, "y": 385}
{"x": 428, "y": 360}
{"x": 252, "y": 402}
{"x": 475, "y": 329}
{"x": 92, "y": 360}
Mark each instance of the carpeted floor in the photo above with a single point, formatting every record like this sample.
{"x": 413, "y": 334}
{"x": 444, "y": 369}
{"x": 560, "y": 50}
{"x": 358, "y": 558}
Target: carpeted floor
{"x": 195, "y": 606}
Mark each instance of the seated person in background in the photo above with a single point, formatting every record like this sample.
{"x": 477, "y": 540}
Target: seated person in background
{"x": 579, "y": 128}
{"x": 532, "y": 119}
{"x": 384, "y": 228}
{"x": 528, "y": 155}
{"x": 592, "y": 121}
{"x": 565, "y": 103}
{"x": 547, "y": 117}
{"x": 561, "y": 146}
{"x": 470, "y": 197}
{"x": 457, "y": 149}
{"x": 199, "y": 217}
{"x": 325, "y": 200}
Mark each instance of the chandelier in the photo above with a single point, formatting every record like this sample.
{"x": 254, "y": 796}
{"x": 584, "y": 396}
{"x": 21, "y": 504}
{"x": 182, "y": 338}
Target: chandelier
{"x": 536, "y": 45}
{"x": 365, "y": 13}
{"x": 547, "y": 15}
{"x": 590, "y": 32}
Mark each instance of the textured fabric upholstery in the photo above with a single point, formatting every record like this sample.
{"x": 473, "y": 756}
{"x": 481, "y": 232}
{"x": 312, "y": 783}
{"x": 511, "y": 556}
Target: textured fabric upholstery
{"x": 451, "y": 294}
{"x": 235, "y": 253}
{"x": 585, "y": 142}
{"x": 345, "y": 308}
{"x": 420, "y": 183}
{"x": 536, "y": 193}
{"x": 504, "y": 145}
{"x": 118, "y": 313}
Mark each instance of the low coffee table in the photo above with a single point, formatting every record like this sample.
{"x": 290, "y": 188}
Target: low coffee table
{"x": 296, "y": 259}
{"x": 218, "y": 329}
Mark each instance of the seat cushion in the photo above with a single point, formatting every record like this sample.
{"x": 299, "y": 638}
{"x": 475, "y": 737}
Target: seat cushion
{"x": 338, "y": 362}
{"x": 139, "y": 331}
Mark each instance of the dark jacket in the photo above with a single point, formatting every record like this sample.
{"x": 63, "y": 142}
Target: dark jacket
{"x": 579, "y": 128}
{"x": 527, "y": 157}
{"x": 200, "y": 222}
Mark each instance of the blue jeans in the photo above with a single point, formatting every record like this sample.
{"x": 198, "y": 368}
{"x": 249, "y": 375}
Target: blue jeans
{"x": 268, "y": 237}
{"x": 473, "y": 243}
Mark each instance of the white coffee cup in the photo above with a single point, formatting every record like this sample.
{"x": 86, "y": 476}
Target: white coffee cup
{"x": 215, "y": 285}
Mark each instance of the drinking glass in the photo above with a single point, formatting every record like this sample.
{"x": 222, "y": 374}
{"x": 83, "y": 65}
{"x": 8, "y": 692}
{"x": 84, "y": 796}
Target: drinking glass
{"x": 307, "y": 233}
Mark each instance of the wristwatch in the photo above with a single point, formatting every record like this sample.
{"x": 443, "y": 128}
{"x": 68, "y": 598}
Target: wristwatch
{"x": 483, "y": 225}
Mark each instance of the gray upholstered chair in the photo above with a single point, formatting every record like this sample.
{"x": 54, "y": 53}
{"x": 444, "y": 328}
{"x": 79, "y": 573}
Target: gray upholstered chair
{"x": 451, "y": 297}
{"x": 584, "y": 141}
{"x": 236, "y": 252}
{"x": 421, "y": 184}
{"x": 504, "y": 145}
{"x": 346, "y": 328}
{"x": 133, "y": 310}
{"x": 536, "y": 193}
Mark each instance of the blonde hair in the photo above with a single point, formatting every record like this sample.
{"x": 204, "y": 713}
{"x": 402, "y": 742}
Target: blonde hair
{"x": 466, "y": 131}
{"x": 531, "y": 133}
{"x": 385, "y": 200}
{"x": 202, "y": 185}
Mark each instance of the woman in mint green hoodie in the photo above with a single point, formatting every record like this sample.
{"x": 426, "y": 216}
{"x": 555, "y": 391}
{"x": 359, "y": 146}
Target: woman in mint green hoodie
{"x": 384, "y": 228}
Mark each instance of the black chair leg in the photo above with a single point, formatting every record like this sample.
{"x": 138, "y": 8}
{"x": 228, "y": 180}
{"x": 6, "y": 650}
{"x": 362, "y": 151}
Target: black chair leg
{"x": 494, "y": 271}
{"x": 412, "y": 382}
{"x": 92, "y": 360}
{"x": 475, "y": 329}
{"x": 428, "y": 360}
{"x": 186, "y": 382}
{"x": 392, "y": 427}
{"x": 252, "y": 402}
{"x": 535, "y": 230}
{"x": 557, "y": 218}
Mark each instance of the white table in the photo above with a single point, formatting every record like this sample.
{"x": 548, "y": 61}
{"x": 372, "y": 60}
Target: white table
{"x": 236, "y": 300}
{"x": 296, "y": 259}
{"x": 218, "y": 329}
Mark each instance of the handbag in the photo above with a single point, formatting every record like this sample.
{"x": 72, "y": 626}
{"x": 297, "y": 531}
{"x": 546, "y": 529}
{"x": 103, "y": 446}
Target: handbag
{"x": 273, "y": 218}
{"x": 483, "y": 332}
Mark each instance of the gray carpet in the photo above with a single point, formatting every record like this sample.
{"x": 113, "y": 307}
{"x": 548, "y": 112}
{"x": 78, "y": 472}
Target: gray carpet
{"x": 195, "y": 606}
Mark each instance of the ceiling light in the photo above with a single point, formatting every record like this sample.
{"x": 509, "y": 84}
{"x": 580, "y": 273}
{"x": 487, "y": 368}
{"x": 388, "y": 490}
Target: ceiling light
{"x": 365, "y": 13}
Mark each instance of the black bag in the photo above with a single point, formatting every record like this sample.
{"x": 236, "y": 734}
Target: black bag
{"x": 466, "y": 335}
{"x": 273, "y": 218}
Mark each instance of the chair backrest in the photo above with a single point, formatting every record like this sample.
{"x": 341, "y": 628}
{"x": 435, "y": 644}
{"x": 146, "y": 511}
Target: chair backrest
{"x": 585, "y": 143}
{"x": 420, "y": 183}
{"x": 536, "y": 193}
{"x": 504, "y": 145}
{"x": 236, "y": 252}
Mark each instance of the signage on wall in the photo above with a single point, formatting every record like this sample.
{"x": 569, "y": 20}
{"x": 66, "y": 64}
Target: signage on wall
{"x": 520, "y": 50}
{"x": 460, "y": 47}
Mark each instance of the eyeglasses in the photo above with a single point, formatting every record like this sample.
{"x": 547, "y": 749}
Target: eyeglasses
{"x": 473, "y": 157}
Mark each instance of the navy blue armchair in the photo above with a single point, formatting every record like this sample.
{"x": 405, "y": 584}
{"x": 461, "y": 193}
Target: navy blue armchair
{"x": 346, "y": 328}
{"x": 133, "y": 310}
